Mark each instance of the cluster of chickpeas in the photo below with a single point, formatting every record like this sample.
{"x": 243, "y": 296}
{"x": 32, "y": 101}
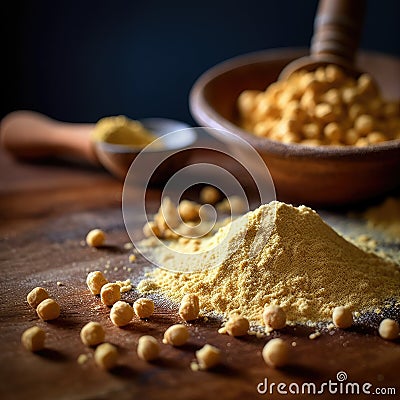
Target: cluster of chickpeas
{"x": 47, "y": 309}
{"x": 323, "y": 107}
{"x": 122, "y": 313}
{"x": 168, "y": 219}
{"x": 167, "y": 223}
{"x": 275, "y": 353}
{"x": 93, "y": 333}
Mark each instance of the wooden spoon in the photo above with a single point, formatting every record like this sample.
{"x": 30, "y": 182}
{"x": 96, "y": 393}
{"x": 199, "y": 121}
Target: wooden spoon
{"x": 337, "y": 31}
{"x": 30, "y": 135}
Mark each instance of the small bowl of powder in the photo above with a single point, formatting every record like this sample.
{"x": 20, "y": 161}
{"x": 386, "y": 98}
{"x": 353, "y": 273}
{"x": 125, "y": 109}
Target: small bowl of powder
{"x": 118, "y": 140}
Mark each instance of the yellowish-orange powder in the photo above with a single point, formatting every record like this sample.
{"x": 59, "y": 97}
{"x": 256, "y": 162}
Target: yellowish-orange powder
{"x": 304, "y": 266}
{"x": 121, "y": 130}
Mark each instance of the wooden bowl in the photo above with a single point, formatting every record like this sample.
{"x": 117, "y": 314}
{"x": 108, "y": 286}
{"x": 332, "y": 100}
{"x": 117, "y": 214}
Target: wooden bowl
{"x": 318, "y": 176}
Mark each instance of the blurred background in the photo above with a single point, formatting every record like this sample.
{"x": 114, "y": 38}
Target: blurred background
{"x": 81, "y": 60}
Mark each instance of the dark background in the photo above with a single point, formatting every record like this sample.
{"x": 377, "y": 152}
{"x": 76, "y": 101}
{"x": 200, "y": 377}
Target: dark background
{"x": 82, "y": 60}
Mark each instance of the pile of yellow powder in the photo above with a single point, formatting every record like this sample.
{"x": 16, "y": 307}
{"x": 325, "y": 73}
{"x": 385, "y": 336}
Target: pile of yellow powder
{"x": 303, "y": 265}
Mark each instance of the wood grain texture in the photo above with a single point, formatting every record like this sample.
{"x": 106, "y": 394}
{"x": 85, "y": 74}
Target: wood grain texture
{"x": 45, "y": 212}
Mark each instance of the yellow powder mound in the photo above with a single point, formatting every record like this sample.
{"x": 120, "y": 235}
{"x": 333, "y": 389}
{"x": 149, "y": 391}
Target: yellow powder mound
{"x": 304, "y": 266}
{"x": 386, "y": 217}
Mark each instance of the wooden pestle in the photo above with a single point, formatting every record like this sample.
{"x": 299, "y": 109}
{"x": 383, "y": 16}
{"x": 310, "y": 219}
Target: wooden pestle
{"x": 337, "y": 31}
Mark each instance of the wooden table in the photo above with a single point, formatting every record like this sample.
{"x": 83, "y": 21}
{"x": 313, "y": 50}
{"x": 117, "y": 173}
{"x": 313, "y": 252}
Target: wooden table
{"x": 45, "y": 211}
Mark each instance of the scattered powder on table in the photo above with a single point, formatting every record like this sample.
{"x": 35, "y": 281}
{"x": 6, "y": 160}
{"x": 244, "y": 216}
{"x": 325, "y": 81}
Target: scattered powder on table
{"x": 125, "y": 286}
{"x": 385, "y": 217}
{"x": 304, "y": 266}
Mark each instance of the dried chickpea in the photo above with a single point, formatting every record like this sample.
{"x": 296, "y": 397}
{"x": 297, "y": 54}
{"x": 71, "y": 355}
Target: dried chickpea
{"x": 148, "y": 348}
{"x": 274, "y": 317}
{"x": 309, "y": 100}
{"x": 285, "y": 97}
{"x": 176, "y": 335}
{"x": 293, "y": 108}
{"x": 121, "y": 313}
{"x": 110, "y": 293}
{"x": 304, "y": 80}
{"x": 376, "y": 137}
{"x": 95, "y": 238}
{"x": 349, "y": 95}
{"x": 366, "y": 85}
{"x": 324, "y": 112}
{"x": 334, "y": 74}
{"x": 208, "y": 356}
{"x": 263, "y": 128}
{"x": 92, "y": 334}
{"x": 143, "y": 307}
{"x": 389, "y": 329}
{"x": 167, "y": 215}
{"x": 170, "y": 235}
{"x": 151, "y": 229}
{"x": 285, "y": 127}
{"x": 247, "y": 100}
{"x": 291, "y": 137}
{"x": 276, "y": 353}
{"x": 333, "y": 132}
{"x": 33, "y": 338}
{"x": 332, "y": 97}
{"x": 276, "y": 90}
{"x": 234, "y": 204}
{"x": 189, "y": 308}
{"x": 355, "y": 110}
{"x": 48, "y": 309}
{"x": 364, "y": 124}
{"x": 311, "y": 131}
{"x": 351, "y": 136}
{"x": 361, "y": 142}
{"x": 160, "y": 223}
{"x": 95, "y": 281}
{"x": 237, "y": 325}
{"x": 319, "y": 74}
{"x": 342, "y": 317}
{"x": 209, "y": 194}
{"x": 106, "y": 356}
{"x": 264, "y": 108}
{"x": 36, "y": 296}
{"x": 189, "y": 210}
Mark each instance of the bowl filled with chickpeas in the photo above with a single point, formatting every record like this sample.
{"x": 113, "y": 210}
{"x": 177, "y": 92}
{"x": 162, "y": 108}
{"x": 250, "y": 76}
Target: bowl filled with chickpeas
{"x": 327, "y": 137}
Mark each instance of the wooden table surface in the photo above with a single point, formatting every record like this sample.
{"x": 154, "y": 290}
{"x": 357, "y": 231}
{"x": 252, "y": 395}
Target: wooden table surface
{"x": 45, "y": 212}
